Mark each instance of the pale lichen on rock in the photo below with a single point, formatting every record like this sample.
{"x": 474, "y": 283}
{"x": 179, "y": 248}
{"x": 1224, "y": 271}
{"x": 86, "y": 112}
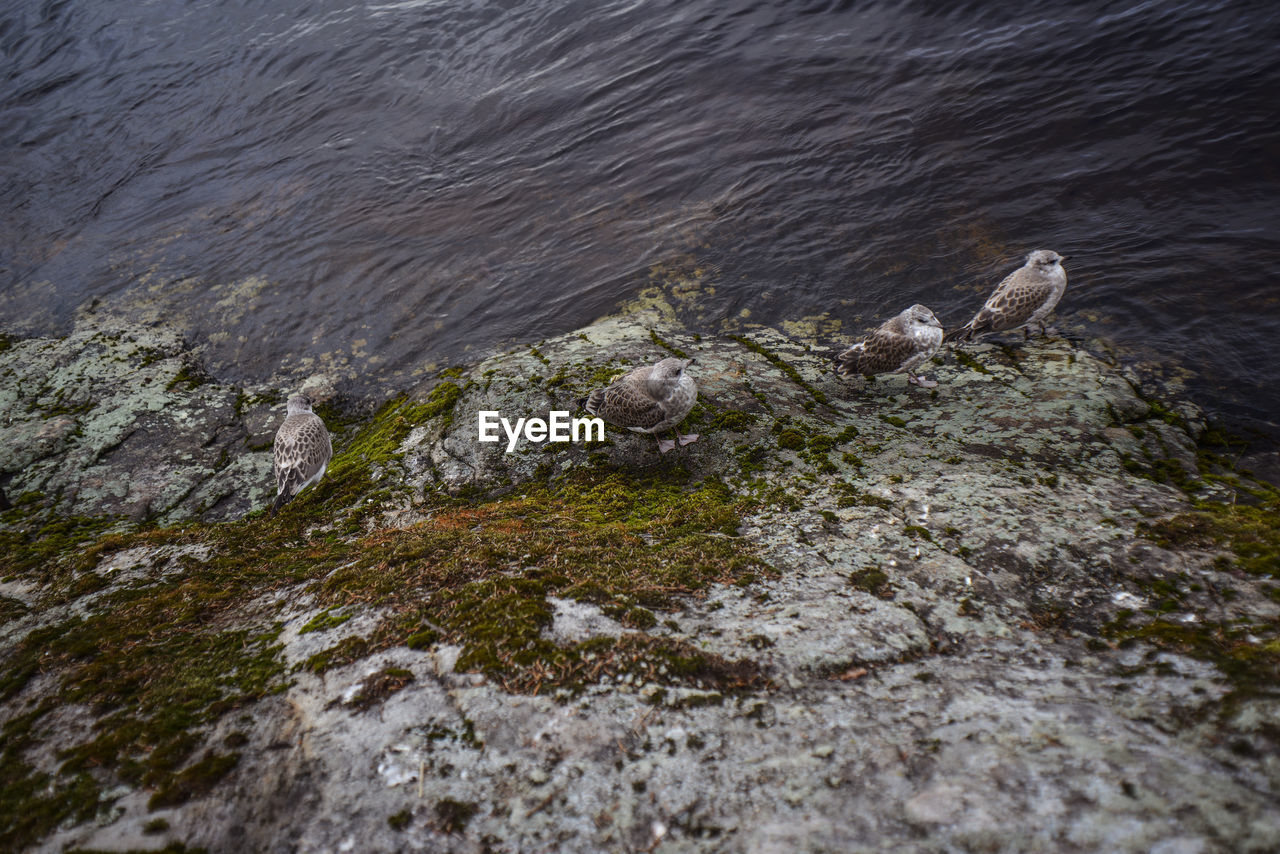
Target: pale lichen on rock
{"x": 852, "y": 616}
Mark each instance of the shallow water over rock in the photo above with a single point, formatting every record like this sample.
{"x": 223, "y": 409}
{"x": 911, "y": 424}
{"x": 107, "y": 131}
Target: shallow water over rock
{"x": 377, "y": 189}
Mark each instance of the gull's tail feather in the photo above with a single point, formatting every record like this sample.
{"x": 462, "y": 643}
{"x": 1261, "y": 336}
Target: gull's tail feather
{"x": 848, "y": 362}
{"x": 281, "y": 500}
{"x": 289, "y": 487}
{"x": 591, "y": 403}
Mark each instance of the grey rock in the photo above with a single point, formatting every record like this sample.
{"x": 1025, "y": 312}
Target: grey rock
{"x": 117, "y": 419}
{"x": 932, "y": 625}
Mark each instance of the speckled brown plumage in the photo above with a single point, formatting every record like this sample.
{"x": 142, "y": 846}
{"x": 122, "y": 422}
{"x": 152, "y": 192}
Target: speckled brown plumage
{"x": 649, "y": 399}
{"x": 302, "y": 451}
{"x": 1024, "y": 297}
{"x": 901, "y": 343}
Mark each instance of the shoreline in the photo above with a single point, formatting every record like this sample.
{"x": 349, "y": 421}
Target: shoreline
{"x": 894, "y": 612}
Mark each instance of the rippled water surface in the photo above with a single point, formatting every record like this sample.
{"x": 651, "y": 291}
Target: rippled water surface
{"x": 383, "y": 187}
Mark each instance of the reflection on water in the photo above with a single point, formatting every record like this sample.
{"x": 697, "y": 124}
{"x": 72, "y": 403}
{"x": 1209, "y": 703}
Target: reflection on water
{"x": 401, "y": 183}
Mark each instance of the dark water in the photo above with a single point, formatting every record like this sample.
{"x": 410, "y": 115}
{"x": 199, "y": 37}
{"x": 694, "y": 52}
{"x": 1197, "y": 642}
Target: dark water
{"x": 406, "y": 183}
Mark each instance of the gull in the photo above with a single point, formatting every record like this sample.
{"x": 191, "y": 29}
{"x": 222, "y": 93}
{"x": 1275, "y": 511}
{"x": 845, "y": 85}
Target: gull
{"x": 1025, "y": 297}
{"x": 302, "y": 451}
{"x": 649, "y": 399}
{"x": 899, "y": 344}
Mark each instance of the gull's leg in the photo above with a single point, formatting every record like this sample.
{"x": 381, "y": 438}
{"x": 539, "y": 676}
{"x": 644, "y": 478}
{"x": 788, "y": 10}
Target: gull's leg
{"x": 665, "y": 445}
{"x": 686, "y": 440}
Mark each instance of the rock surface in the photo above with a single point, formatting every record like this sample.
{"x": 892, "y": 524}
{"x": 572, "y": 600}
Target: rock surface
{"x": 120, "y": 420}
{"x": 951, "y": 621}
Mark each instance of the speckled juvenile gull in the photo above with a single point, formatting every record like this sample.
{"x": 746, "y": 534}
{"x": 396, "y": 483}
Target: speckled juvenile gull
{"x": 649, "y": 399}
{"x": 900, "y": 344}
{"x": 1025, "y": 297}
{"x": 302, "y": 451}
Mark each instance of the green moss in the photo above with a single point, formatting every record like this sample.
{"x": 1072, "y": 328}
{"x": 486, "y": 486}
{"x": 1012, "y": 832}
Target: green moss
{"x": 32, "y": 803}
{"x": 970, "y": 362}
{"x": 189, "y": 376}
{"x": 422, "y": 639}
{"x": 1168, "y": 416}
{"x": 377, "y": 687}
{"x": 152, "y": 666}
{"x": 821, "y": 444}
{"x": 751, "y": 458}
{"x": 893, "y": 420}
{"x": 734, "y": 420}
{"x": 603, "y": 375}
{"x": 453, "y": 816}
{"x": 918, "y": 532}
{"x": 792, "y": 440}
{"x": 616, "y": 540}
{"x": 640, "y": 618}
{"x": 350, "y": 479}
{"x": 1251, "y": 668}
{"x": 326, "y": 619}
{"x": 193, "y": 782}
{"x": 148, "y": 356}
{"x": 872, "y": 580}
{"x": 32, "y": 548}
{"x": 1252, "y": 533}
{"x": 345, "y": 651}
{"x": 666, "y": 345}
{"x": 787, "y": 370}
{"x": 560, "y": 379}
{"x": 11, "y": 609}
{"x": 440, "y": 403}
{"x": 156, "y": 661}
{"x": 60, "y": 405}
{"x": 695, "y": 700}
{"x": 400, "y": 820}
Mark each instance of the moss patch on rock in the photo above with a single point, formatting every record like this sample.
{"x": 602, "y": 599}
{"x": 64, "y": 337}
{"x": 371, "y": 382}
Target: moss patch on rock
{"x": 480, "y": 574}
{"x": 1251, "y": 533}
{"x": 161, "y": 657}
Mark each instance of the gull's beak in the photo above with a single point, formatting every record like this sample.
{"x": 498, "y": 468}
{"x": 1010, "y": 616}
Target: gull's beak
{"x": 689, "y": 362}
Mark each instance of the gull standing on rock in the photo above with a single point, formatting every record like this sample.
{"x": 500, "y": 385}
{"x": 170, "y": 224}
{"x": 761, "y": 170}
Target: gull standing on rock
{"x": 649, "y": 399}
{"x": 302, "y": 451}
{"x": 1025, "y": 297}
{"x": 899, "y": 344}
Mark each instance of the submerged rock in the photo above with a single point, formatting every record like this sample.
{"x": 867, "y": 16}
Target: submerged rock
{"x": 851, "y": 617}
